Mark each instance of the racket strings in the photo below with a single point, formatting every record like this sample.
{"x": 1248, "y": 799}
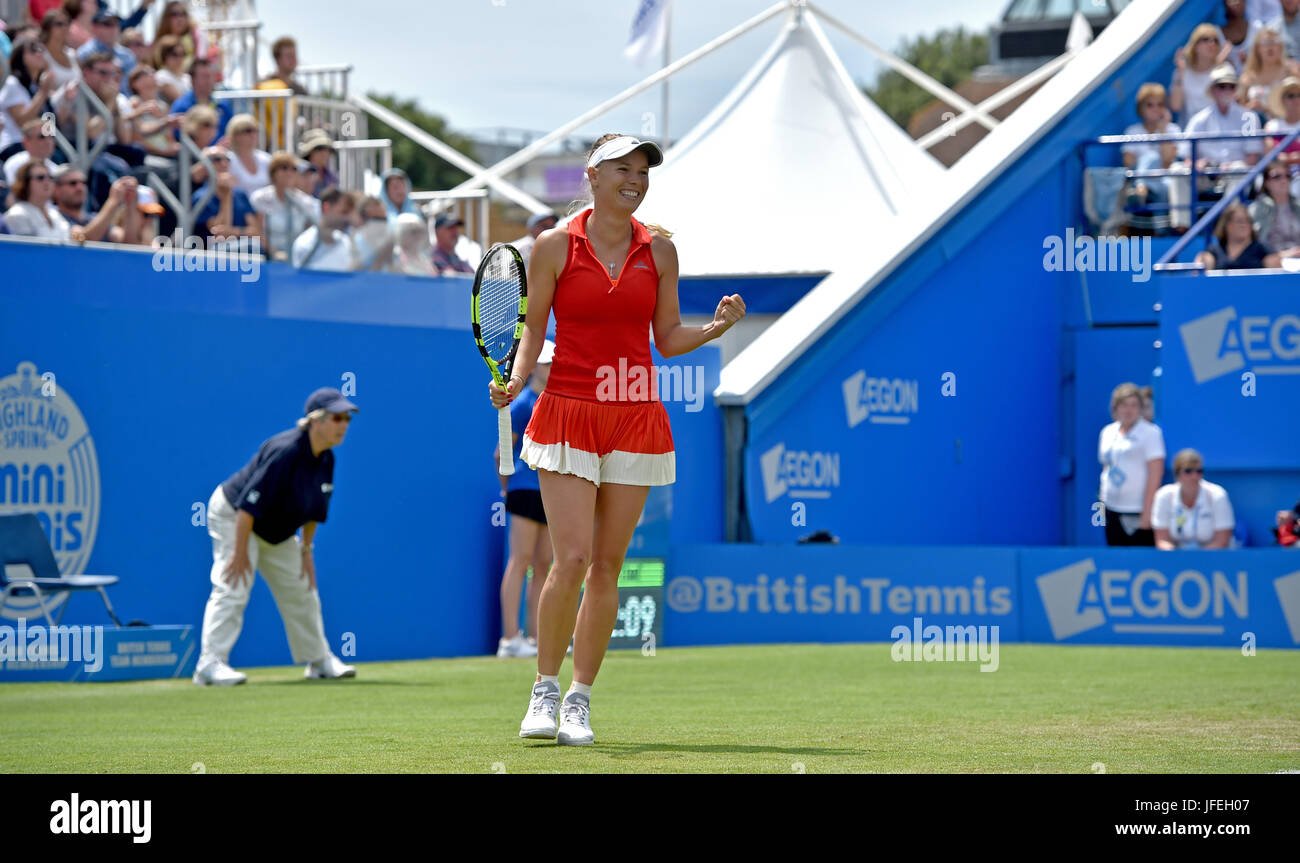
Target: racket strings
{"x": 498, "y": 307}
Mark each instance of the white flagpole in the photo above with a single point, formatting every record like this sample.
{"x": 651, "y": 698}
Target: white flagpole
{"x": 668, "y": 50}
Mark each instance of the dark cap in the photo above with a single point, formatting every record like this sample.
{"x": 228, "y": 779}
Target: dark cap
{"x": 328, "y": 399}
{"x": 537, "y": 218}
{"x": 104, "y": 16}
{"x": 446, "y": 220}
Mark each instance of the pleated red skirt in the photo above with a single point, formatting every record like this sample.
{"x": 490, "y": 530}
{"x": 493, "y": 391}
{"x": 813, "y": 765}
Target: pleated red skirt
{"x": 618, "y": 442}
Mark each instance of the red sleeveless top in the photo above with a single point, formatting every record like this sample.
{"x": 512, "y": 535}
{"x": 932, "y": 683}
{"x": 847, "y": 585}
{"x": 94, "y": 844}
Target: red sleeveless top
{"x": 602, "y": 324}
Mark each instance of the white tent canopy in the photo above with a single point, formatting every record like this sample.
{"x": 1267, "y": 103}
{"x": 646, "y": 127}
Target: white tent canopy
{"x": 794, "y": 164}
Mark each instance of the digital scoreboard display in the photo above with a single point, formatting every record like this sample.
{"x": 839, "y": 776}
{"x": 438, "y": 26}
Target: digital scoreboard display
{"x": 640, "y": 604}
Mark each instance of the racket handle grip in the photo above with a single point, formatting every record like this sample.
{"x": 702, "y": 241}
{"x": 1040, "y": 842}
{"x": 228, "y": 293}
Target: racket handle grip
{"x": 505, "y": 442}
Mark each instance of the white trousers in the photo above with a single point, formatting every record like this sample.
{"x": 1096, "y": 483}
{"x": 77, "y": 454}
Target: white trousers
{"x": 281, "y": 565}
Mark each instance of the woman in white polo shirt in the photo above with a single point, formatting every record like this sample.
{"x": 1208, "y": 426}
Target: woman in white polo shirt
{"x": 1190, "y": 512}
{"x": 1132, "y": 455}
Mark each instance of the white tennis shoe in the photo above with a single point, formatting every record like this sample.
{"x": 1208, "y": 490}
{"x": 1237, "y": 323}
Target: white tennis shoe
{"x": 518, "y": 646}
{"x": 329, "y": 668}
{"x": 575, "y": 721}
{"x": 217, "y": 673}
{"x": 540, "y": 720}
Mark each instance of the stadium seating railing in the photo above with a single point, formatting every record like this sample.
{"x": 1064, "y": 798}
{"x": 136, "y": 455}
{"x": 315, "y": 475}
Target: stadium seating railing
{"x": 331, "y": 81}
{"x": 359, "y": 161}
{"x": 82, "y": 154}
{"x": 185, "y": 210}
{"x": 238, "y": 43}
{"x": 1237, "y": 192}
{"x": 1190, "y": 175}
{"x": 471, "y": 205}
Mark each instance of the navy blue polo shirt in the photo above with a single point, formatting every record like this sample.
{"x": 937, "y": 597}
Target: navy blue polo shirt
{"x": 284, "y": 486}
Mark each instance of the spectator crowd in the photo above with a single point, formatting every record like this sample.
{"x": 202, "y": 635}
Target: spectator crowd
{"x": 151, "y": 90}
{"x": 1239, "y": 77}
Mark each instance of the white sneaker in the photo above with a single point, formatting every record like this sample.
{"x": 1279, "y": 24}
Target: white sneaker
{"x": 542, "y": 707}
{"x": 329, "y": 668}
{"x": 217, "y": 673}
{"x": 518, "y": 646}
{"x": 575, "y": 721}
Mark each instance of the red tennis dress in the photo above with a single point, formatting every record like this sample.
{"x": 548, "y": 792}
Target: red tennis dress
{"x": 600, "y": 417}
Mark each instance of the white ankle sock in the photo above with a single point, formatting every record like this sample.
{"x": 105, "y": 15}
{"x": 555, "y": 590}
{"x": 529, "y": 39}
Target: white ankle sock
{"x": 580, "y": 688}
{"x": 549, "y": 678}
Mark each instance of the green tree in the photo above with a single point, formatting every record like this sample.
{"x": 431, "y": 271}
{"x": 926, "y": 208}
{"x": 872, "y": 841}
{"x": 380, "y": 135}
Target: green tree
{"x": 948, "y": 56}
{"x": 427, "y": 171}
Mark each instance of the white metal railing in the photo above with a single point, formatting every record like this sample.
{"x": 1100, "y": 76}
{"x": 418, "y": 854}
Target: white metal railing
{"x": 238, "y": 43}
{"x": 342, "y": 120}
{"x": 81, "y": 154}
{"x": 182, "y": 205}
{"x": 359, "y": 159}
{"x": 325, "y": 80}
{"x": 445, "y": 151}
{"x": 471, "y": 206}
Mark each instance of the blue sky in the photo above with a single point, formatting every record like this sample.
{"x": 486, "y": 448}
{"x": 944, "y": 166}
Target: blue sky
{"x": 534, "y": 64}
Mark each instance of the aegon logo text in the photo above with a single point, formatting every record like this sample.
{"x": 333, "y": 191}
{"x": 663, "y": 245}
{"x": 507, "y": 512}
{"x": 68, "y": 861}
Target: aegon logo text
{"x": 880, "y": 400}
{"x": 1078, "y": 598}
{"x": 1221, "y": 343}
{"x": 765, "y": 595}
{"x": 798, "y": 472}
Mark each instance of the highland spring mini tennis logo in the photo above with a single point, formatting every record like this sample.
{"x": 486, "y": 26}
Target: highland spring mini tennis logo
{"x": 48, "y": 467}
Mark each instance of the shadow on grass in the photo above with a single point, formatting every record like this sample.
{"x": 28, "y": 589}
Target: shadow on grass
{"x": 624, "y": 750}
{"x": 347, "y": 683}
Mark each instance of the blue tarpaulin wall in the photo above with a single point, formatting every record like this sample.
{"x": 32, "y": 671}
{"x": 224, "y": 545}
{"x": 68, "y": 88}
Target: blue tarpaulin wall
{"x": 179, "y": 378}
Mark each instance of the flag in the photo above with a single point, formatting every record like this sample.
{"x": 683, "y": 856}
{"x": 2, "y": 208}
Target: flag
{"x": 649, "y": 30}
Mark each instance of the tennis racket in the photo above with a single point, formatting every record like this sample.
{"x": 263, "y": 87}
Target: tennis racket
{"x": 497, "y": 309}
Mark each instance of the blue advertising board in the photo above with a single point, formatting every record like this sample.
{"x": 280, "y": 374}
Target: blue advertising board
{"x": 127, "y": 394}
{"x": 1231, "y": 368}
{"x": 31, "y": 652}
{"x": 1144, "y": 596}
{"x": 746, "y": 594}
{"x": 743, "y": 594}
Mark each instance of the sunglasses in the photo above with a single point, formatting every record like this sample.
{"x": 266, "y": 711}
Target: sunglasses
{"x": 1225, "y": 86}
{"x": 72, "y": 182}
{"x": 1193, "y": 470}
{"x": 1293, "y": 94}
{"x": 218, "y": 160}
{"x": 1213, "y": 39}
{"x": 36, "y": 178}
{"x": 176, "y": 52}
{"x": 341, "y": 418}
{"x": 1276, "y": 177}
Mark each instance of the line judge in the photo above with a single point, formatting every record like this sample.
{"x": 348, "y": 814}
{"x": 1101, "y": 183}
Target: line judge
{"x": 253, "y": 519}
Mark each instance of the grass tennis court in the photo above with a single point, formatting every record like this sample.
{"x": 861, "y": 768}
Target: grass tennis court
{"x": 776, "y": 709}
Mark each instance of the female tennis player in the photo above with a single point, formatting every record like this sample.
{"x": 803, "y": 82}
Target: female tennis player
{"x": 597, "y": 443}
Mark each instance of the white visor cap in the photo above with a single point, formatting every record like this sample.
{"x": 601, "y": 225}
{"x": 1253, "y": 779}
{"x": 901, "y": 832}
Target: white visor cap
{"x": 616, "y": 147}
